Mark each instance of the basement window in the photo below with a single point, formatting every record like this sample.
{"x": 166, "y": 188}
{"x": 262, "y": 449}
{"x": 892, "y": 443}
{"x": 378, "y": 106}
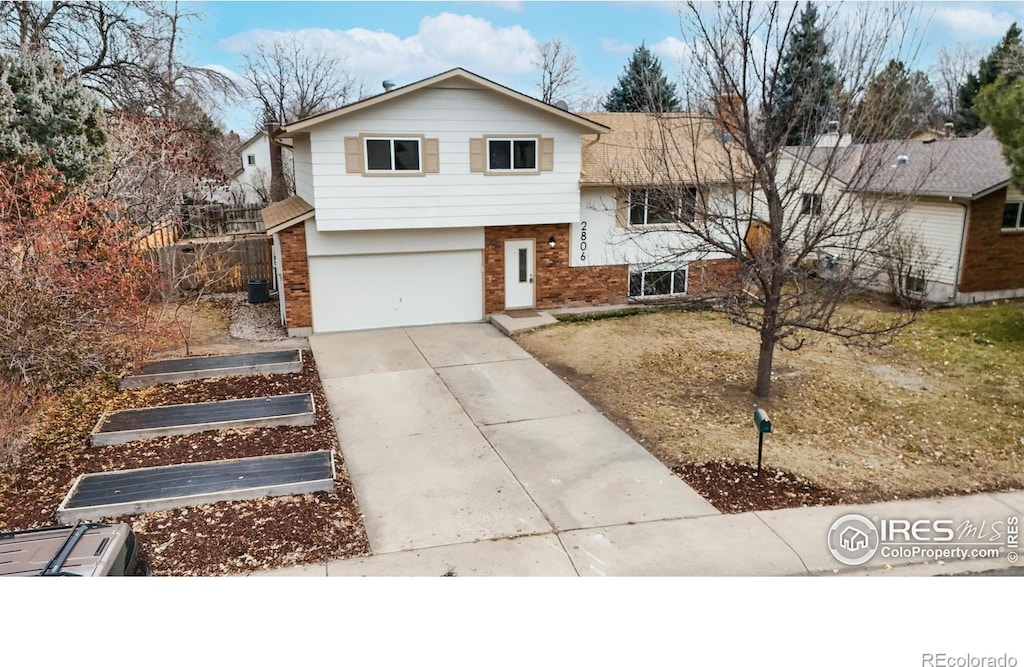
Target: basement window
{"x": 914, "y": 283}
{"x": 1013, "y": 216}
{"x": 657, "y": 283}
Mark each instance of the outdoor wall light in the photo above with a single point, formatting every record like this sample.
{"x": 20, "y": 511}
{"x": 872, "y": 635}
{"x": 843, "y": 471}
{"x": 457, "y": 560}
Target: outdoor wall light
{"x": 551, "y": 241}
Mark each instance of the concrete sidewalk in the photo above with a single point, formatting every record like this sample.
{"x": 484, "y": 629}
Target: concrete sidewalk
{"x": 468, "y": 457}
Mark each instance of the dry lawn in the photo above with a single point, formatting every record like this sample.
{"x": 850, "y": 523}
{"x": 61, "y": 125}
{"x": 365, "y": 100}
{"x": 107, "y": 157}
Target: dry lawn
{"x": 939, "y": 412}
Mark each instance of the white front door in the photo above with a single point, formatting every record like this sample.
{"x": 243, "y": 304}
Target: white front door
{"x": 519, "y": 274}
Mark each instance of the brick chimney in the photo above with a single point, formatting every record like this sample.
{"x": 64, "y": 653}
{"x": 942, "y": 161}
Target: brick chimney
{"x": 728, "y": 113}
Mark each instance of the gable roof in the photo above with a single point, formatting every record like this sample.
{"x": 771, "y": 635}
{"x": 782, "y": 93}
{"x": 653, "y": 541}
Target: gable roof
{"x": 966, "y": 168}
{"x": 244, "y": 144}
{"x": 457, "y": 75}
{"x": 648, "y": 149}
{"x": 281, "y": 215}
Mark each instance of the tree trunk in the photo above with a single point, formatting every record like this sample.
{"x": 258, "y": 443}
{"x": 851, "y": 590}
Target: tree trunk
{"x": 763, "y": 387}
{"x": 278, "y": 186}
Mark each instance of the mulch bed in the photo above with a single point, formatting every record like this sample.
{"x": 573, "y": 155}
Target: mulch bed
{"x": 735, "y": 487}
{"x": 221, "y": 538}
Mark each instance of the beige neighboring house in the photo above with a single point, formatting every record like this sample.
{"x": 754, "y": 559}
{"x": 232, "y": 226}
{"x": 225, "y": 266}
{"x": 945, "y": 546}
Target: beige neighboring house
{"x": 958, "y": 201}
{"x": 454, "y": 197}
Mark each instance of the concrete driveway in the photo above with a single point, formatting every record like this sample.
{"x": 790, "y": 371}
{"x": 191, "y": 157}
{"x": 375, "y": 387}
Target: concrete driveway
{"x": 467, "y": 454}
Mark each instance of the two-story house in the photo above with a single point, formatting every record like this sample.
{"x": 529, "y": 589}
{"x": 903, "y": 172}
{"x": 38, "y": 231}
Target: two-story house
{"x": 250, "y": 182}
{"x": 454, "y": 197}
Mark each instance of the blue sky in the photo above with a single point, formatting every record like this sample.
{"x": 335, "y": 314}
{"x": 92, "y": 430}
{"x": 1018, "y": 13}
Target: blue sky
{"x": 406, "y": 41}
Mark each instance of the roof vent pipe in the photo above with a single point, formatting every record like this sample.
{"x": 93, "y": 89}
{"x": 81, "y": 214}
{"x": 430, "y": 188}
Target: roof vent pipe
{"x": 389, "y": 85}
{"x": 902, "y": 159}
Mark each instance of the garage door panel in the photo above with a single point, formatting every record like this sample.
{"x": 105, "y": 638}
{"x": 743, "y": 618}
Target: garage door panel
{"x": 376, "y": 291}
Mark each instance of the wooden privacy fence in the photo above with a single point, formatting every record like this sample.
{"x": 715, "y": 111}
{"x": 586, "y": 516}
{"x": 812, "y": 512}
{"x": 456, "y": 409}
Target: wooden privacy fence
{"x": 215, "y": 266}
{"x": 203, "y": 220}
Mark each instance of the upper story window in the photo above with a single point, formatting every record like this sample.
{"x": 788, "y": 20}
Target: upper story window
{"x": 1013, "y": 216}
{"x": 499, "y": 155}
{"x": 392, "y": 154}
{"x": 512, "y": 154}
{"x": 250, "y": 159}
{"x": 810, "y": 203}
{"x": 662, "y": 207}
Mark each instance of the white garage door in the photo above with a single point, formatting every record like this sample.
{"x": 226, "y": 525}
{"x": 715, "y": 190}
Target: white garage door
{"x": 375, "y": 291}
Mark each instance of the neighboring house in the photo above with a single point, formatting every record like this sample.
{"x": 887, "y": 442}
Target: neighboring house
{"x": 452, "y": 198}
{"x": 953, "y": 195}
{"x": 250, "y": 183}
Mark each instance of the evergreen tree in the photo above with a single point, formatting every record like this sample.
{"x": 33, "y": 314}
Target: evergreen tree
{"x": 1001, "y": 105}
{"x": 48, "y": 119}
{"x": 896, "y": 103}
{"x": 968, "y": 120}
{"x": 642, "y": 86}
{"x": 804, "y": 93}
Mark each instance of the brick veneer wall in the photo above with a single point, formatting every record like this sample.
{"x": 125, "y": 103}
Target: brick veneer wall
{"x": 295, "y": 269}
{"x": 557, "y": 284}
{"x": 711, "y": 277}
{"x": 994, "y": 259}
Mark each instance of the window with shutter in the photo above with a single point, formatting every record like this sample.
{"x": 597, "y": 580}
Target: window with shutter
{"x": 379, "y": 155}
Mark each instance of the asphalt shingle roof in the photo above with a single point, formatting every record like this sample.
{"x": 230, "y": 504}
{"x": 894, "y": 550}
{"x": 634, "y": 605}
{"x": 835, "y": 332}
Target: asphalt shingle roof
{"x": 643, "y": 149}
{"x": 966, "y": 168}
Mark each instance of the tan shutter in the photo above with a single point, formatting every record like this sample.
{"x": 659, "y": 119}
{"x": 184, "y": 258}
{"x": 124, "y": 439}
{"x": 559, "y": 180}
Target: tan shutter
{"x": 476, "y": 155}
{"x": 353, "y": 155}
{"x": 547, "y": 154}
{"x": 431, "y": 156}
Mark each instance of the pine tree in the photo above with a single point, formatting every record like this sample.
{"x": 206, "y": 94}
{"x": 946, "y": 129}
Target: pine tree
{"x": 642, "y": 86}
{"x": 1001, "y": 105}
{"x": 48, "y": 119}
{"x": 989, "y": 69}
{"x": 805, "y": 90}
{"x": 897, "y": 102}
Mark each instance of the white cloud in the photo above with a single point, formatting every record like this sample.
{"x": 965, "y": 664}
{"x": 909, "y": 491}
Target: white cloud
{"x": 672, "y": 50}
{"x": 979, "y": 22}
{"x": 441, "y": 43}
{"x": 612, "y": 45}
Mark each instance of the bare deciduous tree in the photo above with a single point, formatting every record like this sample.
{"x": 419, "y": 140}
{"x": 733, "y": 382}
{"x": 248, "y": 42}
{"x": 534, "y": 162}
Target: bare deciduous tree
{"x": 129, "y": 53}
{"x": 158, "y": 164}
{"x": 292, "y": 79}
{"x": 950, "y": 72}
{"x": 802, "y": 228}
{"x": 559, "y": 71}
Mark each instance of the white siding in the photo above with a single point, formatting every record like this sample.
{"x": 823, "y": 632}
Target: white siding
{"x": 609, "y": 242}
{"x": 455, "y": 197}
{"x": 303, "y": 168}
{"x": 938, "y": 225}
{"x": 320, "y": 244}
